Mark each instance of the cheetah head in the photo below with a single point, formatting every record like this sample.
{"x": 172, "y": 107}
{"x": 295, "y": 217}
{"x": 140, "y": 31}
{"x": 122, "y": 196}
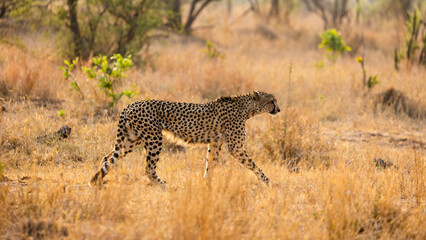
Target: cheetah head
{"x": 265, "y": 103}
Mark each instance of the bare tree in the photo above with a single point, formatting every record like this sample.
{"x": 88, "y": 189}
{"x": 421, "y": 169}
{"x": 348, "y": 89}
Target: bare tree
{"x": 331, "y": 11}
{"x": 3, "y": 8}
{"x": 6, "y": 6}
{"x": 405, "y": 6}
{"x": 194, "y": 12}
{"x": 228, "y": 7}
{"x": 133, "y": 22}
{"x": 255, "y": 7}
{"x": 281, "y": 10}
{"x": 126, "y": 23}
{"x": 274, "y": 11}
{"x": 174, "y": 19}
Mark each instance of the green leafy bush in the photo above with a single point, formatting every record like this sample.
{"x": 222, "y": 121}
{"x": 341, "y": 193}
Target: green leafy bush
{"x": 333, "y": 43}
{"x": 212, "y": 51}
{"x": 109, "y": 74}
{"x": 61, "y": 113}
{"x": 67, "y": 73}
{"x": 372, "y": 81}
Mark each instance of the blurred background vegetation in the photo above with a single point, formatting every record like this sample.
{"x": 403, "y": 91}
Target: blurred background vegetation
{"x": 91, "y": 27}
{"x": 349, "y": 76}
{"x": 69, "y": 30}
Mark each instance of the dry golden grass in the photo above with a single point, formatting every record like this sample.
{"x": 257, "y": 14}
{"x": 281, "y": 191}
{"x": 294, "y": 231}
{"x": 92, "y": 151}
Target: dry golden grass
{"x": 336, "y": 191}
{"x": 27, "y": 74}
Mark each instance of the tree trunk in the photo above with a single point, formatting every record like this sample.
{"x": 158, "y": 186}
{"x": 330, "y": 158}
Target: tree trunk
{"x": 229, "y": 7}
{"x": 343, "y": 11}
{"x": 335, "y": 13}
{"x": 396, "y": 60}
{"x": 193, "y": 14}
{"x": 175, "y": 18}
{"x": 275, "y": 9}
{"x": 358, "y": 12}
{"x": 190, "y": 18}
{"x": 74, "y": 27}
{"x": 3, "y": 9}
{"x": 131, "y": 31}
{"x": 325, "y": 20}
{"x": 413, "y": 36}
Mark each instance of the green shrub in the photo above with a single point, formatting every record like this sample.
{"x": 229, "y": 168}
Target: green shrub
{"x": 109, "y": 75}
{"x": 372, "y": 81}
{"x": 61, "y": 113}
{"x": 67, "y": 73}
{"x": 333, "y": 43}
{"x": 212, "y": 51}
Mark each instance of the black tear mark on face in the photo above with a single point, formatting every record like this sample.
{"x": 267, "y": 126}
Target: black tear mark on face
{"x": 273, "y": 110}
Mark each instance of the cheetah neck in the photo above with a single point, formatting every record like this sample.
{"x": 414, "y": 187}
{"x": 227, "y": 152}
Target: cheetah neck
{"x": 242, "y": 105}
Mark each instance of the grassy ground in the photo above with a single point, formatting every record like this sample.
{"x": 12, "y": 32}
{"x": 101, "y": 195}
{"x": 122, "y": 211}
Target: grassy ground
{"x": 328, "y": 185}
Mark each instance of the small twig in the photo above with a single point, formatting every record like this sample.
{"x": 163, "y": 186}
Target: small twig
{"x": 160, "y": 36}
{"x": 396, "y": 60}
{"x": 364, "y": 73}
{"x": 419, "y": 170}
{"x": 203, "y": 27}
{"x": 290, "y": 70}
{"x": 245, "y": 13}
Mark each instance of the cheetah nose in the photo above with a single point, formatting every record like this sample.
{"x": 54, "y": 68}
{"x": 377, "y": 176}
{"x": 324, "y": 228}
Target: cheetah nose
{"x": 278, "y": 110}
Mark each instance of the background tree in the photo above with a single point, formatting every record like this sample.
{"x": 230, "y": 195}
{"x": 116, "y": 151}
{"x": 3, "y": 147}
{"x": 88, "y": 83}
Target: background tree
{"x": 332, "y": 12}
{"x": 175, "y": 14}
{"x": 406, "y": 6}
{"x": 281, "y": 10}
{"x": 274, "y": 11}
{"x": 95, "y": 26}
{"x": 74, "y": 28}
{"x": 392, "y": 8}
{"x": 5, "y": 6}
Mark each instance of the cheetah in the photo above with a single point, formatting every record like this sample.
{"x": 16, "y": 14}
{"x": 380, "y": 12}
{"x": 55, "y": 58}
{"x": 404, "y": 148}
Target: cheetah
{"x": 214, "y": 123}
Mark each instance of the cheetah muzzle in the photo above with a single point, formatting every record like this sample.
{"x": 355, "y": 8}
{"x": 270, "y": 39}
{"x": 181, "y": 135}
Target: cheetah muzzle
{"x": 213, "y": 123}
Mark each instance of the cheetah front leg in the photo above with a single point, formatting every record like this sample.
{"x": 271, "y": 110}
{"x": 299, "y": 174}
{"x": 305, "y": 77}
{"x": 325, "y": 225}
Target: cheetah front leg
{"x": 237, "y": 150}
{"x": 242, "y": 156}
{"x": 212, "y": 157}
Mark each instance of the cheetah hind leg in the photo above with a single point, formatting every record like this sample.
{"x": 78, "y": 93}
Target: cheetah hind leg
{"x": 212, "y": 158}
{"x": 126, "y": 141}
{"x": 99, "y": 175}
{"x": 153, "y": 149}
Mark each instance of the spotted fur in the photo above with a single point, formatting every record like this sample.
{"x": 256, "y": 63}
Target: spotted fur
{"x": 213, "y": 123}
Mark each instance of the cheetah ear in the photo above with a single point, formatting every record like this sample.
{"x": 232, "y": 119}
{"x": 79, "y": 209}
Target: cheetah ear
{"x": 256, "y": 95}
